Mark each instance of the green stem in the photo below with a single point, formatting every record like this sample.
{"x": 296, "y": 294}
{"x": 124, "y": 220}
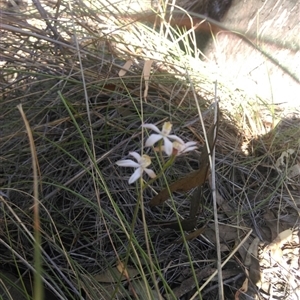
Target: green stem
{"x": 163, "y": 169}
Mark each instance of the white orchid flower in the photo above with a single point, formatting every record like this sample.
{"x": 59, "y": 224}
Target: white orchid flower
{"x": 163, "y": 134}
{"x": 180, "y": 148}
{"x": 141, "y": 165}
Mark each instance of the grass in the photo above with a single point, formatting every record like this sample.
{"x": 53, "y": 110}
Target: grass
{"x": 83, "y": 118}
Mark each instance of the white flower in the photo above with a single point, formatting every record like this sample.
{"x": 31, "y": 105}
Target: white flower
{"x": 164, "y": 134}
{"x": 141, "y": 165}
{"x": 179, "y": 148}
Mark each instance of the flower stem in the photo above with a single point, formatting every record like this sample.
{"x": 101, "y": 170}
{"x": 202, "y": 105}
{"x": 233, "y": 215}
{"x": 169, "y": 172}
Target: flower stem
{"x": 163, "y": 169}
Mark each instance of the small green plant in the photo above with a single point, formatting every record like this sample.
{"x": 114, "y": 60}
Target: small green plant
{"x": 172, "y": 146}
{"x": 172, "y": 149}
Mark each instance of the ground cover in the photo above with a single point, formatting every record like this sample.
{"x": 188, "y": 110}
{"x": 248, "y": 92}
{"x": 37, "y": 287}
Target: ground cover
{"x": 84, "y": 77}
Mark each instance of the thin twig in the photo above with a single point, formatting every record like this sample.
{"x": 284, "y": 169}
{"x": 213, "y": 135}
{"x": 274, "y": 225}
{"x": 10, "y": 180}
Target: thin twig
{"x": 45, "y": 16}
{"x": 213, "y": 187}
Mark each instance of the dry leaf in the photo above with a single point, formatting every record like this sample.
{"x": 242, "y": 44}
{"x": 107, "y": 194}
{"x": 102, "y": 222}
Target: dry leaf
{"x": 140, "y": 289}
{"x": 254, "y": 271}
{"x": 192, "y": 235}
{"x": 147, "y": 69}
{"x": 284, "y": 155}
{"x": 186, "y": 224}
{"x": 226, "y": 274}
{"x": 227, "y": 233}
{"x": 125, "y": 68}
{"x": 101, "y": 291}
{"x": 271, "y": 222}
{"x": 252, "y": 262}
{"x": 188, "y": 284}
{"x": 121, "y": 268}
{"x": 146, "y": 74}
{"x": 251, "y": 252}
{"x": 114, "y": 275}
{"x": 282, "y": 238}
{"x": 190, "y": 181}
{"x": 294, "y": 170}
{"x": 244, "y": 287}
{"x": 275, "y": 247}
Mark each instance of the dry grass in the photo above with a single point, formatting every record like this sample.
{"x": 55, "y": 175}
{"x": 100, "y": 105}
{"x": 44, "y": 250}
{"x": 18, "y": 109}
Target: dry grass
{"x": 64, "y": 70}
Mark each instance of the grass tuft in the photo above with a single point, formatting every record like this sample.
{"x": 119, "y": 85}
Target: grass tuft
{"x": 99, "y": 237}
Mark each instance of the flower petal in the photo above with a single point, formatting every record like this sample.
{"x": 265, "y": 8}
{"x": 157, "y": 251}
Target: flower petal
{"x": 168, "y": 146}
{"x": 152, "y": 139}
{"x": 127, "y": 163}
{"x": 150, "y": 173}
{"x": 188, "y": 149}
{"x": 152, "y": 127}
{"x": 136, "y": 156}
{"x": 176, "y": 138}
{"x": 136, "y": 175}
{"x": 189, "y": 144}
{"x": 179, "y": 148}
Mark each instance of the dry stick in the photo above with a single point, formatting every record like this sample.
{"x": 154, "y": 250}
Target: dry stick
{"x": 206, "y": 141}
{"x": 45, "y": 16}
{"x": 211, "y": 153}
{"x": 38, "y": 283}
{"x": 213, "y": 187}
{"x": 31, "y": 33}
